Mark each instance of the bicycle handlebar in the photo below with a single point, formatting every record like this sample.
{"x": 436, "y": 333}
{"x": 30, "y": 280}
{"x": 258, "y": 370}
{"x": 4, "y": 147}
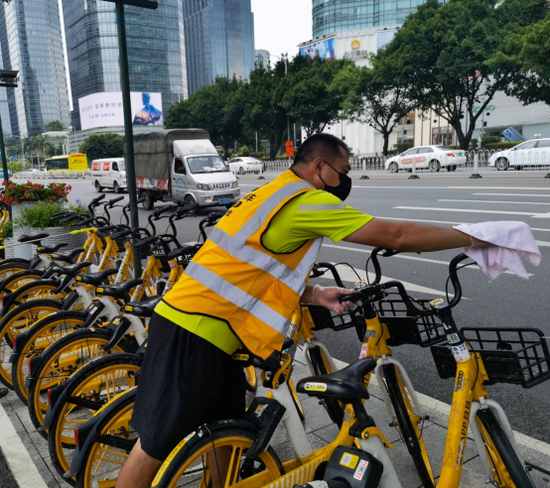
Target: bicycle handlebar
{"x": 318, "y": 271}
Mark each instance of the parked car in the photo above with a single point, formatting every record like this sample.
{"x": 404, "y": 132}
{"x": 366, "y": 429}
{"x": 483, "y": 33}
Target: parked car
{"x": 529, "y": 153}
{"x": 244, "y": 165}
{"x": 432, "y": 157}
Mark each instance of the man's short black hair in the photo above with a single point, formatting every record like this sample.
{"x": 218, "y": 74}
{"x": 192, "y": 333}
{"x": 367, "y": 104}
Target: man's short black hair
{"x": 320, "y": 145}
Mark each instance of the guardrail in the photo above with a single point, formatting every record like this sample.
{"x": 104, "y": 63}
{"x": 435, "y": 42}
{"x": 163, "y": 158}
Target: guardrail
{"x": 44, "y": 175}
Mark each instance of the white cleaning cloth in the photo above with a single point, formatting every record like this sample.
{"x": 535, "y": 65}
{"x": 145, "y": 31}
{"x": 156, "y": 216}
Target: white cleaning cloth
{"x": 508, "y": 238}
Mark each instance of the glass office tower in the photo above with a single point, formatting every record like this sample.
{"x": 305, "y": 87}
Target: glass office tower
{"x": 331, "y": 16}
{"x": 219, "y": 40}
{"x": 156, "y": 50}
{"x": 31, "y": 43}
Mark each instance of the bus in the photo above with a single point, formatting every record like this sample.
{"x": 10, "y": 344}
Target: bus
{"x": 72, "y": 163}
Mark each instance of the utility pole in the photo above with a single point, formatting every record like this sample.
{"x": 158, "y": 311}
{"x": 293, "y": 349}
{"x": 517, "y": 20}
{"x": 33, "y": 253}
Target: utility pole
{"x": 127, "y": 108}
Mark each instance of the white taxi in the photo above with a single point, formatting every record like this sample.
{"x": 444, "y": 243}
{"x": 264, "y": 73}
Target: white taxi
{"x": 240, "y": 166}
{"x": 432, "y": 157}
{"x": 530, "y": 153}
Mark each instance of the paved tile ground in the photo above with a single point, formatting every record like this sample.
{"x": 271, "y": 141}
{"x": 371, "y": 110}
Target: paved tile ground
{"x": 319, "y": 428}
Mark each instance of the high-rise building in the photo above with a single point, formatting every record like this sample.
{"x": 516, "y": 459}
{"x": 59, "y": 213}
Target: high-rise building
{"x": 156, "y": 50}
{"x": 31, "y": 43}
{"x": 262, "y": 58}
{"x": 219, "y": 40}
{"x": 330, "y": 16}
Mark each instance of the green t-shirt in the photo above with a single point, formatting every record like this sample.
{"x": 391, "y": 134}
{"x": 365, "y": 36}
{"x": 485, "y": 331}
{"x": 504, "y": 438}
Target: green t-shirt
{"x": 311, "y": 214}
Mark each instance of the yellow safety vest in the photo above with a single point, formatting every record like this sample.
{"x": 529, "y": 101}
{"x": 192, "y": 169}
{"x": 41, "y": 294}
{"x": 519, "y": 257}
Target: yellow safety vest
{"x": 236, "y": 279}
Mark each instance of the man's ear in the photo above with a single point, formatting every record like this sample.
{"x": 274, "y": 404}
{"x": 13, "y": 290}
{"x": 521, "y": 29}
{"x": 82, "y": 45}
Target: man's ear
{"x": 317, "y": 163}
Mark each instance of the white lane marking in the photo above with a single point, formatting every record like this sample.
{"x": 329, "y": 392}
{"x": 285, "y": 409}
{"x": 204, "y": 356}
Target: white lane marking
{"x": 466, "y": 210}
{"x": 19, "y": 459}
{"x": 539, "y": 188}
{"x": 423, "y": 260}
{"x": 511, "y": 195}
{"x": 349, "y": 276}
{"x": 445, "y": 409}
{"x": 538, "y": 229}
{"x": 492, "y": 201}
{"x": 543, "y": 243}
{"x": 542, "y": 216}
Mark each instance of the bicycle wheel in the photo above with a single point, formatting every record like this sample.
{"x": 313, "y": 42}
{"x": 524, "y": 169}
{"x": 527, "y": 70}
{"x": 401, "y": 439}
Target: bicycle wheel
{"x": 9, "y": 268}
{"x": 61, "y": 360}
{"x": 104, "y": 458}
{"x": 333, "y": 406}
{"x": 15, "y": 323}
{"x": 508, "y": 471}
{"x": 38, "y": 289}
{"x": 408, "y": 424}
{"x": 189, "y": 466}
{"x": 86, "y": 392}
{"x": 17, "y": 280}
{"x": 39, "y": 337}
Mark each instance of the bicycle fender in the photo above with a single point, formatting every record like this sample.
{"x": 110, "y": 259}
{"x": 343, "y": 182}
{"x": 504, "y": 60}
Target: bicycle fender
{"x": 34, "y": 363}
{"x": 265, "y": 413}
{"x": 118, "y": 326}
{"x": 88, "y": 433}
{"x": 59, "y": 394}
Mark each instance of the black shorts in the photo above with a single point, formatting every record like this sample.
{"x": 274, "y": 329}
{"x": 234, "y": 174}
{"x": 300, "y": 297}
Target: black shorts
{"x": 185, "y": 382}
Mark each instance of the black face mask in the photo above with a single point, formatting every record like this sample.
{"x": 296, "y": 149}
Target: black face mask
{"x": 341, "y": 191}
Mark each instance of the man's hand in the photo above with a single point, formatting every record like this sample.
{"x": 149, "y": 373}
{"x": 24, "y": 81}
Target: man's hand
{"x": 328, "y": 297}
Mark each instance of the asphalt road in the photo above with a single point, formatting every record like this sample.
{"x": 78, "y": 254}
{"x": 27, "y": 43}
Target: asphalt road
{"x": 444, "y": 200}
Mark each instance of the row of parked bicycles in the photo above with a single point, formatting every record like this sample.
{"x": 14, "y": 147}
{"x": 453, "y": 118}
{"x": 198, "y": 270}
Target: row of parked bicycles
{"x": 73, "y": 331}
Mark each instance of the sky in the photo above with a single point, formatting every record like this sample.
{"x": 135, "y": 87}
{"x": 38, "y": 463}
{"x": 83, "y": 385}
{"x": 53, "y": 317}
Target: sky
{"x": 279, "y": 26}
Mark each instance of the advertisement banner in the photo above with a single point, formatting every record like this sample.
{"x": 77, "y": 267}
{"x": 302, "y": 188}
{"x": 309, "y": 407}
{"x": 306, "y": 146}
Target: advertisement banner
{"x": 105, "y": 109}
{"x": 323, "y": 49}
{"x": 383, "y": 38}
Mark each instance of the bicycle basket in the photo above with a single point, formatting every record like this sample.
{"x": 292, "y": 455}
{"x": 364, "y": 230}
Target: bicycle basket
{"x": 515, "y": 355}
{"x": 405, "y": 328}
{"x": 325, "y": 319}
{"x": 161, "y": 249}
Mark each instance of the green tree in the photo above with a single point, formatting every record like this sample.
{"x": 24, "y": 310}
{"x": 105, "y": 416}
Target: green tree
{"x": 528, "y": 52}
{"x": 374, "y": 96}
{"x": 444, "y": 51}
{"x": 306, "y": 94}
{"x": 99, "y": 146}
{"x": 264, "y": 111}
{"x": 212, "y": 108}
{"x": 54, "y": 125}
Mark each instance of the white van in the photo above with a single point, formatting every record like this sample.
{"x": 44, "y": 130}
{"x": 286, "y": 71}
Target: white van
{"x": 109, "y": 173}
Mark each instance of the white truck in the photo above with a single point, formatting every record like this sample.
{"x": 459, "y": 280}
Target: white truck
{"x": 182, "y": 165}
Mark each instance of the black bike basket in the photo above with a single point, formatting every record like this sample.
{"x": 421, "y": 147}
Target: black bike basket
{"x": 325, "y": 319}
{"x": 406, "y": 328}
{"x": 515, "y": 355}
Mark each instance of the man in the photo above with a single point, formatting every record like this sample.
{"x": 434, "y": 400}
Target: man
{"x": 242, "y": 287}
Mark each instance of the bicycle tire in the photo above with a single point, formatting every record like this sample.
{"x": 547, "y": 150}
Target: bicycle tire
{"x": 17, "y": 280}
{"x": 41, "y": 335}
{"x": 332, "y": 405}
{"x": 411, "y": 435}
{"x": 508, "y": 471}
{"x": 9, "y": 268}
{"x": 115, "y": 425}
{"x": 61, "y": 360}
{"x": 83, "y": 385}
{"x": 190, "y": 462}
{"x": 37, "y": 290}
{"x": 12, "y": 325}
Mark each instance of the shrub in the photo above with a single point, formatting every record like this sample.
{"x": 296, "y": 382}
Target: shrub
{"x": 34, "y": 192}
{"x": 41, "y": 215}
{"x": 501, "y": 145}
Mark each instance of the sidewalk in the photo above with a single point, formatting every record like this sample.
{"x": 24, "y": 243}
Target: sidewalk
{"x": 26, "y": 452}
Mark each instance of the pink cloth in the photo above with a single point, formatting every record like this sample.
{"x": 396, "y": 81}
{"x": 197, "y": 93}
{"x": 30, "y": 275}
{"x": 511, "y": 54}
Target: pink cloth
{"x": 508, "y": 238}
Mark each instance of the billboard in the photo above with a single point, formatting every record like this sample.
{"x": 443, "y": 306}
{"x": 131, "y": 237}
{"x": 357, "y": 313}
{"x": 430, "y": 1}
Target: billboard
{"x": 105, "y": 109}
{"x": 323, "y": 49}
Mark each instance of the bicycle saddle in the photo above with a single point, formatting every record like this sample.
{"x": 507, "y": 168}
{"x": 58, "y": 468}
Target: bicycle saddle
{"x": 35, "y": 237}
{"x": 346, "y": 383}
{"x": 119, "y": 290}
{"x": 143, "y": 308}
{"x": 69, "y": 256}
{"x": 73, "y": 269}
{"x": 50, "y": 249}
{"x": 96, "y": 279}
